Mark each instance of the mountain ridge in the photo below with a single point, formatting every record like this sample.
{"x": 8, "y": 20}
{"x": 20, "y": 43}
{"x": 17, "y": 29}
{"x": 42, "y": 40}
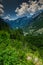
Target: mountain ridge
{"x": 36, "y": 24}
{"x": 3, "y": 25}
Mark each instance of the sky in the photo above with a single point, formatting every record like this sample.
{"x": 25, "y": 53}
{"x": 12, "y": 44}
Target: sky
{"x": 11, "y": 5}
{"x": 17, "y": 8}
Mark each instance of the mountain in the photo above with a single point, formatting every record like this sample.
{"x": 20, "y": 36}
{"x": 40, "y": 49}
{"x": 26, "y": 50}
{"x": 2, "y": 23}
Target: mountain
{"x": 3, "y": 25}
{"x": 36, "y": 25}
{"x": 19, "y": 23}
{"x": 30, "y": 24}
{"x": 23, "y": 21}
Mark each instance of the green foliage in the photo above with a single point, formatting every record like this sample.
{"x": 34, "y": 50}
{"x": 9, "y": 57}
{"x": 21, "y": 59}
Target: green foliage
{"x": 15, "y": 48}
{"x": 3, "y": 25}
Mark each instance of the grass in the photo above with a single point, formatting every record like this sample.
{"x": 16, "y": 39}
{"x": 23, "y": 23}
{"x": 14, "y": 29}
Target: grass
{"x": 17, "y": 49}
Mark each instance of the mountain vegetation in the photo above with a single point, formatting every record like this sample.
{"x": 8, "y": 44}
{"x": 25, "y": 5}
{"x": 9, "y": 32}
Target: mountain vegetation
{"x": 3, "y": 25}
{"x": 16, "y": 48}
{"x": 36, "y": 26}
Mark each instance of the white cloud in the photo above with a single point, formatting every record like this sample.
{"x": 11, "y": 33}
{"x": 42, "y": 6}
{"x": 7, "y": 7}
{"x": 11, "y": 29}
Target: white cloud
{"x": 22, "y": 10}
{"x": 28, "y": 8}
{"x": 8, "y": 17}
{"x": 1, "y": 6}
{"x": 1, "y": 10}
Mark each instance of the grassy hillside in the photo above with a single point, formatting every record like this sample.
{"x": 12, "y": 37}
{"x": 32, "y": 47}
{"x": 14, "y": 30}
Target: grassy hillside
{"x": 17, "y": 49}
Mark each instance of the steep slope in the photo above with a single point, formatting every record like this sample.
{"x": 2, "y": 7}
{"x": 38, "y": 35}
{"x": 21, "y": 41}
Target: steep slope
{"x": 20, "y": 22}
{"x": 36, "y": 24}
{"x": 3, "y": 25}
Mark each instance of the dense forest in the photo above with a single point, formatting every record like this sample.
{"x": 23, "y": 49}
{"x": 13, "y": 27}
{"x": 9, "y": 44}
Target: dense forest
{"x": 18, "y": 48}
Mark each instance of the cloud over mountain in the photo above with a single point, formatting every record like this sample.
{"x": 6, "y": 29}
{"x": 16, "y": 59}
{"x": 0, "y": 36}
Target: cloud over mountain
{"x": 29, "y": 8}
